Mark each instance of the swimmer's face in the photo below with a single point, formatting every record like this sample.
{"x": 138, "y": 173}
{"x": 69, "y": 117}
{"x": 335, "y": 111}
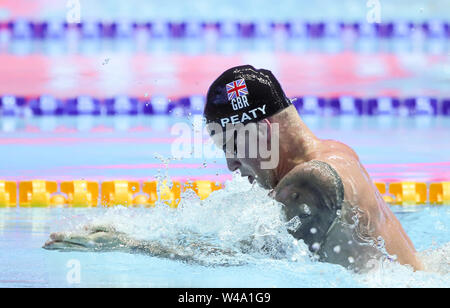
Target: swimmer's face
{"x": 240, "y": 156}
{"x": 251, "y": 168}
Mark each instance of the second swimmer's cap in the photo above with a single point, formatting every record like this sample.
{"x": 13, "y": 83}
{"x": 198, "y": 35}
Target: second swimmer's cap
{"x": 244, "y": 94}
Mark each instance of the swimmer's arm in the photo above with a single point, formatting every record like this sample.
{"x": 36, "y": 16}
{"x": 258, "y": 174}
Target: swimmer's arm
{"x": 317, "y": 186}
{"x": 106, "y": 239}
{"x": 91, "y": 238}
{"x": 314, "y": 192}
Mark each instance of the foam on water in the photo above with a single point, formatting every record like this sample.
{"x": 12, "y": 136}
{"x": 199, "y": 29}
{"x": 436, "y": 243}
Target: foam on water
{"x": 394, "y": 275}
{"x": 239, "y": 223}
{"x": 242, "y": 226}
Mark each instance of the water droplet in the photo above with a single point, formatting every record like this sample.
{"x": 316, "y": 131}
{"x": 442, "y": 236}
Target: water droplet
{"x": 337, "y": 249}
{"x": 351, "y": 260}
{"x": 313, "y": 230}
{"x": 306, "y": 209}
{"x": 315, "y": 246}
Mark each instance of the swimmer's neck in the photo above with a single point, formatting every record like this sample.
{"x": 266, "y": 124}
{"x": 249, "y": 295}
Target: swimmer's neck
{"x": 298, "y": 146}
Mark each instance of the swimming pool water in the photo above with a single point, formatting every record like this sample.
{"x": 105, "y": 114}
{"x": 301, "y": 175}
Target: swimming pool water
{"x": 122, "y": 147}
{"x": 101, "y": 148}
{"x": 23, "y": 263}
{"x": 213, "y": 10}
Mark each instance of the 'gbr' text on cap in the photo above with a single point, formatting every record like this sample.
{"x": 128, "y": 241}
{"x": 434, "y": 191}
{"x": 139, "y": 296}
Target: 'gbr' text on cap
{"x": 239, "y": 102}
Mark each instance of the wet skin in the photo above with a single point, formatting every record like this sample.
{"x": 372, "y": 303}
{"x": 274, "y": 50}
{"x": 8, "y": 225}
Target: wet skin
{"x": 338, "y": 192}
{"x": 314, "y": 192}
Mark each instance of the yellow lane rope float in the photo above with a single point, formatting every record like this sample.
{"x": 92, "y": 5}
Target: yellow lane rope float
{"x": 41, "y": 193}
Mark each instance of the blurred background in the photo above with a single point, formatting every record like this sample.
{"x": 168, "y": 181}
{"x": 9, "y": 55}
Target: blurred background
{"x": 215, "y": 10}
{"x": 91, "y": 89}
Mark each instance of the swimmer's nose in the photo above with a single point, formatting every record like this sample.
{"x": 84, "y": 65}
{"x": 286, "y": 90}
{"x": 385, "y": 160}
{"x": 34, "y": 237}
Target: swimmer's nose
{"x": 233, "y": 164}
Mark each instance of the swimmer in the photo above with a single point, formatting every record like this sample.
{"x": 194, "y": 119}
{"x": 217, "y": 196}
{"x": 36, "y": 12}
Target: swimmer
{"x": 343, "y": 218}
{"x": 321, "y": 183}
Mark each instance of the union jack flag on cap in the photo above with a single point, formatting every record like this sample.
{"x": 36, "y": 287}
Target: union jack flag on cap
{"x": 236, "y": 88}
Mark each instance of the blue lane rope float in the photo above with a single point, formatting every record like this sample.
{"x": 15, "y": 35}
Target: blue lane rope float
{"x": 11, "y": 105}
{"x": 26, "y": 29}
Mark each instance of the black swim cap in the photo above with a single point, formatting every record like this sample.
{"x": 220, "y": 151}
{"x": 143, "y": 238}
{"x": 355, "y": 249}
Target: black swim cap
{"x": 244, "y": 94}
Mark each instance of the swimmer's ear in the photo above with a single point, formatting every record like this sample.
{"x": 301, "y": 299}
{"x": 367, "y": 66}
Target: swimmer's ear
{"x": 269, "y": 130}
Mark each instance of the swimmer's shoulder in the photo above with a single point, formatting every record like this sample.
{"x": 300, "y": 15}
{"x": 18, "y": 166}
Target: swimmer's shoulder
{"x": 314, "y": 182}
{"x": 313, "y": 193}
{"x": 336, "y": 147}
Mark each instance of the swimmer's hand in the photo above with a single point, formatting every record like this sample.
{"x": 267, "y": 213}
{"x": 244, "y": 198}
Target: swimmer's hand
{"x": 92, "y": 238}
{"x": 189, "y": 248}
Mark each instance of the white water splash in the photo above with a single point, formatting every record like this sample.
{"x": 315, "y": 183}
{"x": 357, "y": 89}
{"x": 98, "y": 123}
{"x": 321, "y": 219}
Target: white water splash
{"x": 241, "y": 222}
{"x": 393, "y": 275}
{"x": 245, "y": 226}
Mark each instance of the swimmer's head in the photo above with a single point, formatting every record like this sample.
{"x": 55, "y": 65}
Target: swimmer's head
{"x": 244, "y": 95}
{"x": 244, "y": 99}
